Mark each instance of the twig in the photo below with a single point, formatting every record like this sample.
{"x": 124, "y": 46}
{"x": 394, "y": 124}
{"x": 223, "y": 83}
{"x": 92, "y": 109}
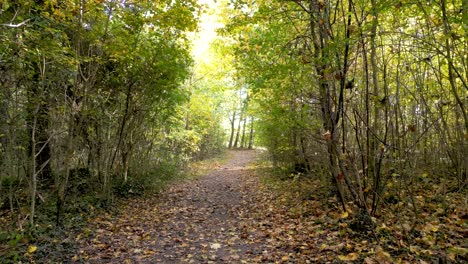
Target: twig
{"x": 16, "y": 25}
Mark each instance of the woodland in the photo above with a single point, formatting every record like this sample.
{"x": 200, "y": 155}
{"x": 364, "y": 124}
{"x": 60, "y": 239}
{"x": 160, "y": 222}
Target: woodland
{"x": 359, "y": 109}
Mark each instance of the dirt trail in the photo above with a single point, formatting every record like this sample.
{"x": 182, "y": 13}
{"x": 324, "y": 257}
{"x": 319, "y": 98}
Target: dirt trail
{"x": 198, "y": 221}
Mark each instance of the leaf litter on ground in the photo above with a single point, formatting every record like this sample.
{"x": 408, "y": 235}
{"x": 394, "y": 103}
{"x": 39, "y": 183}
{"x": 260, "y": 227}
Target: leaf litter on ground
{"x": 240, "y": 213}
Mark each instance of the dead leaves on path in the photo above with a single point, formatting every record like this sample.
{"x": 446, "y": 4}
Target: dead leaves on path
{"x": 231, "y": 217}
{"x": 109, "y": 237}
{"x": 193, "y": 222}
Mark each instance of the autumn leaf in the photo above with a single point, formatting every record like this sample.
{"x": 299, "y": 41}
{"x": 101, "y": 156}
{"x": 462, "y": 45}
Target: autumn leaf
{"x": 369, "y": 261}
{"x": 350, "y": 257}
{"x": 458, "y": 251}
{"x": 32, "y": 249}
{"x": 344, "y": 215}
{"x": 215, "y": 246}
{"x": 382, "y": 256}
{"x": 431, "y": 228}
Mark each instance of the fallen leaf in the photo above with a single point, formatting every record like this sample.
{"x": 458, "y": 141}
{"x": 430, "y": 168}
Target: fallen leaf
{"x": 215, "y": 245}
{"x": 458, "y": 251}
{"x": 344, "y": 215}
{"x": 431, "y": 228}
{"x": 382, "y": 256}
{"x": 32, "y": 249}
{"x": 350, "y": 257}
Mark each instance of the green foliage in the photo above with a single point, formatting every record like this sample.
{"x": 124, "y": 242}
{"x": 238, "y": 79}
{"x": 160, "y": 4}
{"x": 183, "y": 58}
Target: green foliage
{"x": 360, "y": 91}
{"x": 12, "y": 240}
{"x": 96, "y": 89}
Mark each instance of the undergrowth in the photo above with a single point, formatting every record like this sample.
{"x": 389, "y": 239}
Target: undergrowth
{"x": 52, "y": 243}
{"x": 421, "y": 224}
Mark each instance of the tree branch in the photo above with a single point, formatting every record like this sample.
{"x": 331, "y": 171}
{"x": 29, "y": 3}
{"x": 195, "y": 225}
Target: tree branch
{"x": 16, "y": 25}
{"x": 298, "y": 2}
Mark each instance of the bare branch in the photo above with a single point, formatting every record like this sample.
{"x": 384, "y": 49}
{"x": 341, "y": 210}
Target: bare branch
{"x": 301, "y": 5}
{"x": 16, "y": 25}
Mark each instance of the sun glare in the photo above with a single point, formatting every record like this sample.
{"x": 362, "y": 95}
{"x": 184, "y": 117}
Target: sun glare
{"x": 207, "y": 31}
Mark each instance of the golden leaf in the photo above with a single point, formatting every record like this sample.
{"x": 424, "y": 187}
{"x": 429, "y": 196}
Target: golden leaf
{"x": 382, "y": 256}
{"x": 350, "y": 257}
{"x": 431, "y": 228}
{"x": 344, "y": 215}
{"x": 32, "y": 249}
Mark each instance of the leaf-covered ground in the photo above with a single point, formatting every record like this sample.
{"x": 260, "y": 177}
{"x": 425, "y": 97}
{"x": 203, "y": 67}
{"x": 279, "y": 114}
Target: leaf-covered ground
{"x": 209, "y": 219}
{"x": 236, "y": 214}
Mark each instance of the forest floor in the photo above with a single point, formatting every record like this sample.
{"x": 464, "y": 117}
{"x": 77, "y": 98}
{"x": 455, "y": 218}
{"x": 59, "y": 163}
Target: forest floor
{"x": 224, "y": 216}
{"x": 212, "y": 219}
{"x": 235, "y": 211}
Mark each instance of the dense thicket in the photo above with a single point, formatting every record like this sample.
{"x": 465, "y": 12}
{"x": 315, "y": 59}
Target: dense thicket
{"x": 369, "y": 94}
{"x": 94, "y": 100}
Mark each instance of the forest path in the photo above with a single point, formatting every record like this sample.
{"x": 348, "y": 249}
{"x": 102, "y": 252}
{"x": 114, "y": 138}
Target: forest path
{"x": 214, "y": 219}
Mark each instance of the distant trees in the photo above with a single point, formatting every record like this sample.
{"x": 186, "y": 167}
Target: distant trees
{"x": 372, "y": 90}
{"x": 240, "y": 135}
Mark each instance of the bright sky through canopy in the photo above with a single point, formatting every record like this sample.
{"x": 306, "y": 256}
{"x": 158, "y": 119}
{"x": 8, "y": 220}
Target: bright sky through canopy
{"x": 207, "y": 31}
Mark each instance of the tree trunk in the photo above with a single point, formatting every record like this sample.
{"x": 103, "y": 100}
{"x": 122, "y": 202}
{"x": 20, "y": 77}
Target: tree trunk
{"x": 33, "y": 170}
{"x": 243, "y": 142}
{"x": 39, "y": 100}
{"x": 233, "y": 124}
{"x": 251, "y": 133}
{"x": 236, "y": 141}
{"x": 375, "y": 153}
{"x": 448, "y": 56}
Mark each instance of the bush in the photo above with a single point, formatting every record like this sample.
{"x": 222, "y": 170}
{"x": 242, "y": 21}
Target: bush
{"x": 147, "y": 182}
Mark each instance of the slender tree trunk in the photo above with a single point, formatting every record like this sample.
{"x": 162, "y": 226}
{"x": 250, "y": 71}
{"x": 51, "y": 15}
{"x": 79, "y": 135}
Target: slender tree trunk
{"x": 33, "y": 169}
{"x": 4, "y": 105}
{"x": 123, "y": 123}
{"x": 63, "y": 183}
{"x": 451, "y": 76}
{"x": 42, "y": 124}
{"x": 39, "y": 148}
{"x": 233, "y": 124}
{"x": 462, "y": 167}
{"x": 243, "y": 141}
{"x": 319, "y": 26}
{"x": 251, "y": 133}
{"x": 126, "y": 154}
{"x": 236, "y": 141}
{"x": 125, "y": 160}
{"x": 375, "y": 153}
